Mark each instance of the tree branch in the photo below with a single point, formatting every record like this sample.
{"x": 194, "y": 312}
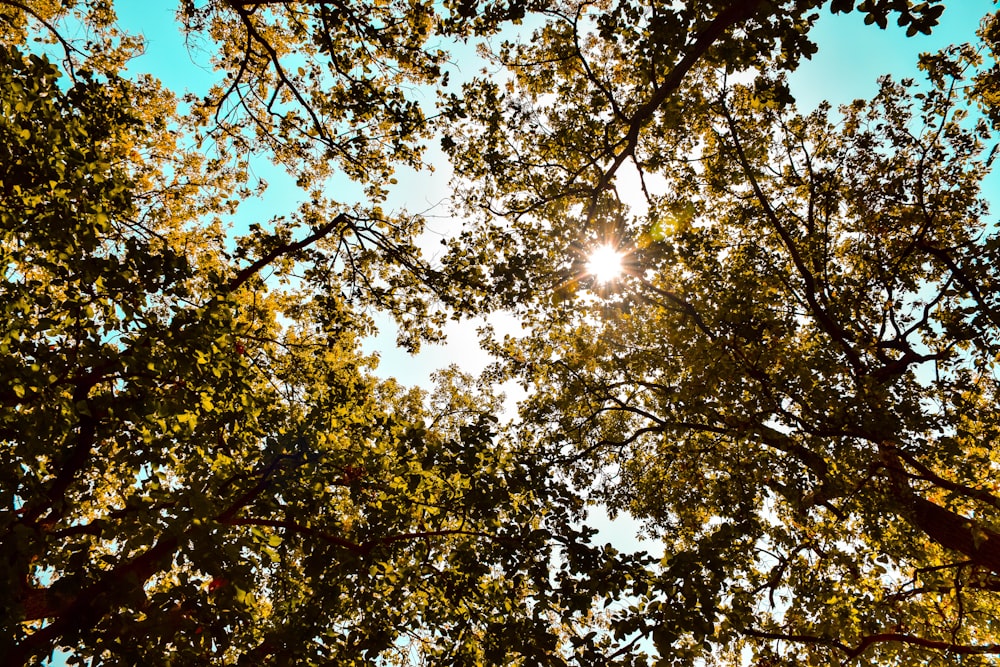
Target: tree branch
{"x": 737, "y": 12}
{"x": 945, "y": 527}
{"x": 361, "y": 548}
{"x": 948, "y": 647}
{"x": 810, "y": 290}
{"x": 246, "y": 274}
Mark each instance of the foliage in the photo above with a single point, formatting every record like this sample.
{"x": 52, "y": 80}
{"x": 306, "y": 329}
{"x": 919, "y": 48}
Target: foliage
{"x": 198, "y": 466}
{"x": 794, "y": 381}
{"x": 792, "y": 385}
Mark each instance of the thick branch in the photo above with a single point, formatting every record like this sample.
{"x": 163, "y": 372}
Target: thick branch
{"x": 880, "y": 638}
{"x": 947, "y": 647}
{"x": 736, "y": 13}
{"x": 948, "y": 529}
{"x": 249, "y": 272}
{"x": 925, "y": 473}
{"x": 93, "y": 602}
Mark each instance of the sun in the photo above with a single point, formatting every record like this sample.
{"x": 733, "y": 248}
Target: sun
{"x": 605, "y": 264}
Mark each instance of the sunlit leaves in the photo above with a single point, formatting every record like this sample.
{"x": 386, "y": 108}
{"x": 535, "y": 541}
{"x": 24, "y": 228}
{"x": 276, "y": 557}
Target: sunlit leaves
{"x": 790, "y": 380}
{"x": 197, "y": 463}
{"x": 805, "y": 326}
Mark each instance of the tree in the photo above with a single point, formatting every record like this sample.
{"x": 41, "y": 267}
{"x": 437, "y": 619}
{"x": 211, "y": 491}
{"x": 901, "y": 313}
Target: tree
{"x": 793, "y": 381}
{"x": 197, "y": 464}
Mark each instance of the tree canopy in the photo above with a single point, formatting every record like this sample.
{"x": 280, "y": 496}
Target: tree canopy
{"x": 792, "y": 383}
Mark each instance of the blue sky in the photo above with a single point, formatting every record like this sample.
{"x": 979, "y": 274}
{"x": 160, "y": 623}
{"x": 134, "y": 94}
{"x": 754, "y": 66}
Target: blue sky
{"x": 853, "y": 55}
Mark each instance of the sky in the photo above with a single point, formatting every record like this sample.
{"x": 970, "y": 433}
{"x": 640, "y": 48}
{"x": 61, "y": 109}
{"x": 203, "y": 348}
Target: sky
{"x": 850, "y": 59}
{"x": 853, "y": 55}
